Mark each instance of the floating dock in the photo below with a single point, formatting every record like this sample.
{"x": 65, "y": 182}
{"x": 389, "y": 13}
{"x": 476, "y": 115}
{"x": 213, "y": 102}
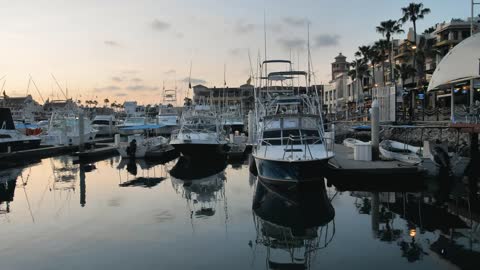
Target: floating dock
{"x": 347, "y": 172}
{"x": 13, "y": 158}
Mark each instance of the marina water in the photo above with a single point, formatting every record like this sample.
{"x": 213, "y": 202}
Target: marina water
{"x": 57, "y": 214}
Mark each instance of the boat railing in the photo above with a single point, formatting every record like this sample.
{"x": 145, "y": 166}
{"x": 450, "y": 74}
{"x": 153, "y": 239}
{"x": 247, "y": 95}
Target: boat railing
{"x": 188, "y": 130}
{"x": 303, "y": 139}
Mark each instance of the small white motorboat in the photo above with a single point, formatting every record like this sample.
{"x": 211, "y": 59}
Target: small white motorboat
{"x": 351, "y": 142}
{"x": 401, "y": 152}
{"x": 138, "y": 145}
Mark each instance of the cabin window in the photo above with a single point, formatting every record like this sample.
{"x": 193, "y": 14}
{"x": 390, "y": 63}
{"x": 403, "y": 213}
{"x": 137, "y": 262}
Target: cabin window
{"x": 290, "y": 123}
{"x": 272, "y": 137}
{"x": 272, "y": 124}
{"x": 5, "y": 136}
{"x": 102, "y": 122}
{"x": 291, "y": 132}
{"x": 309, "y": 123}
{"x": 311, "y": 136}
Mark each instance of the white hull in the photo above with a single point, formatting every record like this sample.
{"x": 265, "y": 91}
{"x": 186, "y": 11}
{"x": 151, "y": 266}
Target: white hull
{"x": 400, "y": 151}
{"x": 143, "y": 146}
{"x": 350, "y": 142}
{"x": 67, "y": 139}
{"x": 105, "y": 130}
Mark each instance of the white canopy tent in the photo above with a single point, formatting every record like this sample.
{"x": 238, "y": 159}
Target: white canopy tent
{"x": 460, "y": 64}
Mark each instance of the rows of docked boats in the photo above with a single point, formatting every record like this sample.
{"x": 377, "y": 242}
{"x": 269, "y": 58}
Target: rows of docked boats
{"x": 197, "y": 130}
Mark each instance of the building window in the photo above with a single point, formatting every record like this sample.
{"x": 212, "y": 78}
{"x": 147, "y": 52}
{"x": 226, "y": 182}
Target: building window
{"x": 455, "y": 35}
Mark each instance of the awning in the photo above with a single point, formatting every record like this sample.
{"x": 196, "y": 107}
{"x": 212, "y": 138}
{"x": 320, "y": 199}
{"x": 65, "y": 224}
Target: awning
{"x": 460, "y": 64}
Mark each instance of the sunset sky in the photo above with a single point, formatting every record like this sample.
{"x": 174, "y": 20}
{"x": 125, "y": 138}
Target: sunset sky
{"x": 124, "y": 50}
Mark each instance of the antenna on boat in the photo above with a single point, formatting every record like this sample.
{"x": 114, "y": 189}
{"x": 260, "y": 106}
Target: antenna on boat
{"x": 59, "y": 86}
{"x": 189, "y": 79}
{"x": 3, "y": 86}
{"x": 265, "y": 37}
{"x": 28, "y": 86}
{"x": 251, "y": 67}
{"x": 308, "y": 52}
{"x": 38, "y": 91}
{"x": 224, "y": 86}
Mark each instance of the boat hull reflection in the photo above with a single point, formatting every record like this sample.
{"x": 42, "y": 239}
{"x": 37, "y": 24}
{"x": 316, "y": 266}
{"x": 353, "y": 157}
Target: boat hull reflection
{"x": 188, "y": 169}
{"x": 294, "y": 219}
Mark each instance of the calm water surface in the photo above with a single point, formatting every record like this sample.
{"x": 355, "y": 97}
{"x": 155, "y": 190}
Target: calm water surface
{"x": 59, "y": 215}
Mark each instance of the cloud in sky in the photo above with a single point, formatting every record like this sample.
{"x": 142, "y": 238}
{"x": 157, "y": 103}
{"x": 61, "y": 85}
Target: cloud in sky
{"x": 326, "y": 40}
{"x": 111, "y": 43}
{"x": 121, "y": 95}
{"x": 295, "y": 22}
{"x": 158, "y": 25}
{"x": 170, "y": 72}
{"x": 242, "y": 27}
{"x": 136, "y": 80}
{"x": 194, "y": 81}
{"x": 292, "y": 43}
{"x": 107, "y": 88}
{"x": 117, "y": 79}
{"x": 237, "y": 51}
{"x": 141, "y": 87}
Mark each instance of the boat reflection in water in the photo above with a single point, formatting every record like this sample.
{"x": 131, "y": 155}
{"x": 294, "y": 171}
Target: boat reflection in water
{"x": 202, "y": 186}
{"x": 292, "y": 223}
{"x": 8, "y": 182}
{"x": 150, "y": 175}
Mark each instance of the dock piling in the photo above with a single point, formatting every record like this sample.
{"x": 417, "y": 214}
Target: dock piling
{"x": 375, "y": 130}
{"x": 81, "y": 128}
{"x": 110, "y": 127}
{"x": 251, "y": 127}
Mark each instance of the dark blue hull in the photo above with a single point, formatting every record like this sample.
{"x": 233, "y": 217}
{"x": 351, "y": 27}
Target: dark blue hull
{"x": 274, "y": 171}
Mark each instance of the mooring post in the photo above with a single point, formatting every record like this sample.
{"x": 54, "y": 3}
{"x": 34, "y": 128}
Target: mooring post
{"x": 251, "y": 126}
{"x": 83, "y": 196}
{"x": 81, "y": 128}
{"x": 375, "y": 130}
{"x": 110, "y": 127}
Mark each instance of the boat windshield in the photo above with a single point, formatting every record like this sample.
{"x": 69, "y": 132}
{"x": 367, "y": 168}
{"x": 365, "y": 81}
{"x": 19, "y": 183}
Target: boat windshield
{"x": 291, "y": 130}
{"x": 135, "y": 121}
{"x": 102, "y": 122}
{"x": 199, "y": 127}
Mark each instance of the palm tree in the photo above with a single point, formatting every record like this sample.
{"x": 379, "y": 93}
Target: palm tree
{"x": 106, "y": 101}
{"x": 429, "y": 30}
{"x": 414, "y": 12}
{"x": 361, "y": 67}
{"x": 405, "y": 71}
{"x": 375, "y": 58}
{"x": 387, "y": 29}
{"x": 366, "y": 53}
{"x": 381, "y": 47}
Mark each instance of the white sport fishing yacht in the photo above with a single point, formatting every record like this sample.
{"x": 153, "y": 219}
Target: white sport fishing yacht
{"x": 63, "y": 129}
{"x": 169, "y": 119}
{"x": 201, "y": 134}
{"x": 291, "y": 147}
{"x": 105, "y": 124}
